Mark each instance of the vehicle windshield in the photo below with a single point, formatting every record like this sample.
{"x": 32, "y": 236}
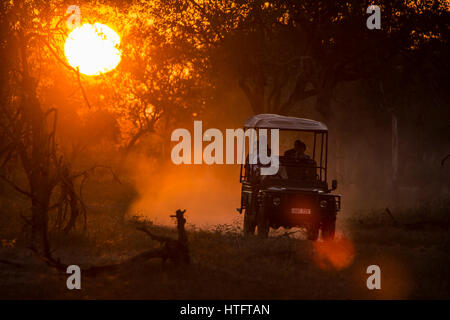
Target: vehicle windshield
{"x": 297, "y": 171}
{"x": 292, "y": 173}
{"x": 291, "y": 141}
{"x": 302, "y": 158}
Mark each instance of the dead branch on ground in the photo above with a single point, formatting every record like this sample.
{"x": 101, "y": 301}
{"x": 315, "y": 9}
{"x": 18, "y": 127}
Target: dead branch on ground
{"x": 388, "y": 211}
{"x": 174, "y": 250}
{"x": 445, "y": 159}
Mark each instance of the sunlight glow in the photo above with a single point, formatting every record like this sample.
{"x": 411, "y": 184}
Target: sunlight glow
{"x": 93, "y": 49}
{"x": 334, "y": 255}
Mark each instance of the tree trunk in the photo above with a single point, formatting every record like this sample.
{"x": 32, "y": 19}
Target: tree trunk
{"x": 38, "y": 157}
{"x": 394, "y": 158}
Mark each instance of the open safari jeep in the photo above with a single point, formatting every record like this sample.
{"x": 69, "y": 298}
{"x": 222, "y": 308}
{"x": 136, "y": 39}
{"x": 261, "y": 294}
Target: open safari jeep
{"x": 298, "y": 194}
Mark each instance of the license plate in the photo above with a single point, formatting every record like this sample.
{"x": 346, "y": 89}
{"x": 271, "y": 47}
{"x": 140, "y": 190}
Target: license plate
{"x": 300, "y": 211}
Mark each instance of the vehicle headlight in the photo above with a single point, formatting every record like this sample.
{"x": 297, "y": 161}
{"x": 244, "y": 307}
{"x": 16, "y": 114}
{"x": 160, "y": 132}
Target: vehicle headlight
{"x": 323, "y": 203}
{"x": 276, "y": 201}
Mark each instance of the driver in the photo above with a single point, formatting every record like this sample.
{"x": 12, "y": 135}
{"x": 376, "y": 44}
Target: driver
{"x": 298, "y": 153}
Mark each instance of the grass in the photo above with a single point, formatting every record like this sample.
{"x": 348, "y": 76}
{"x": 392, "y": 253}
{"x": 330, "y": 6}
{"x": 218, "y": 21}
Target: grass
{"x": 412, "y": 255}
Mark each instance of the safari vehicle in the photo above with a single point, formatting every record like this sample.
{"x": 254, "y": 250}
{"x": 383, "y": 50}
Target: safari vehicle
{"x": 298, "y": 195}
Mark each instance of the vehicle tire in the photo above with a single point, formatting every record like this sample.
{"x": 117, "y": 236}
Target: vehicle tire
{"x": 250, "y": 217}
{"x": 263, "y": 223}
{"x": 329, "y": 228}
{"x": 249, "y": 223}
{"x": 312, "y": 233}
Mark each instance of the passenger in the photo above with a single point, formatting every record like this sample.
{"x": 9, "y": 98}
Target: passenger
{"x": 306, "y": 170}
{"x": 298, "y": 153}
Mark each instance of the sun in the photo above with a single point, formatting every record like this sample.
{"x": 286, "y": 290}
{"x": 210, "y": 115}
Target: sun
{"x": 93, "y": 49}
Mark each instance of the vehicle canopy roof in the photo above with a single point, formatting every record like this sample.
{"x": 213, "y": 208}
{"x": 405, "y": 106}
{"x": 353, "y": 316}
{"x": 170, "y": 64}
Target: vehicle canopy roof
{"x": 275, "y": 121}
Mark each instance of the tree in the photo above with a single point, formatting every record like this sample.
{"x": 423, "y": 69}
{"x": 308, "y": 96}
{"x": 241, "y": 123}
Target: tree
{"x": 29, "y": 128}
{"x": 283, "y": 52}
{"x": 162, "y": 81}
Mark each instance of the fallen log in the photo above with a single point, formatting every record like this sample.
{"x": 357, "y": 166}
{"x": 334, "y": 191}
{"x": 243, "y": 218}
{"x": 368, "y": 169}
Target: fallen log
{"x": 174, "y": 250}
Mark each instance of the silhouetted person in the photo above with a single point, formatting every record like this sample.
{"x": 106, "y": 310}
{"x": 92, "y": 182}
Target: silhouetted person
{"x": 298, "y": 153}
{"x": 307, "y": 167}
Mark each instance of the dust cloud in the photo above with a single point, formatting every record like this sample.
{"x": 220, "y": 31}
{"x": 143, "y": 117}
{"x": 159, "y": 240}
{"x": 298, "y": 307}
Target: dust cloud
{"x": 209, "y": 193}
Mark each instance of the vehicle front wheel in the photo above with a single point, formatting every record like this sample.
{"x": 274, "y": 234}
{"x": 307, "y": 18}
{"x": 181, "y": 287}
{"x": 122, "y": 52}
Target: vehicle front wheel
{"x": 329, "y": 228}
{"x": 249, "y": 223}
{"x": 263, "y": 223}
{"x": 312, "y": 233}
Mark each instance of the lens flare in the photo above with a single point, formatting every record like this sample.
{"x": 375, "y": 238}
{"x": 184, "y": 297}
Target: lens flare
{"x": 334, "y": 255}
{"x": 93, "y": 49}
